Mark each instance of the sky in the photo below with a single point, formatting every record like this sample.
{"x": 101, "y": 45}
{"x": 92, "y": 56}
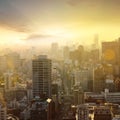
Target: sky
{"x": 41, "y": 22}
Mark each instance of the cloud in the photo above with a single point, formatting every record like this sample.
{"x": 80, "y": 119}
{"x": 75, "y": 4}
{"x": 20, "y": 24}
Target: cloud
{"x": 37, "y": 37}
{"x": 13, "y": 18}
{"x": 39, "y": 40}
{"x": 74, "y": 2}
{"x": 101, "y": 3}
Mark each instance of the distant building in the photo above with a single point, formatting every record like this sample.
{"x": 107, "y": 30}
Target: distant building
{"x": 109, "y": 81}
{"x": 78, "y": 95}
{"x": 78, "y": 54}
{"x": 2, "y": 89}
{"x": 82, "y": 112}
{"x": 98, "y": 79}
{"x": 41, "y": 76}
{"x": 112, "y": 97}
{"x": 91, "y": 97}
{"x": 95, "y": 55}
{"x": 110, "y": 52}
{"x": 13, "y": 61}
{"x": 69, "y": 118}
{"x": 42, "y": 109}
{"x": 96, "y": 40}
{"x": 117, "y": 117}
{"x": 3, "y": 109}
{"x": 119, "y": 50}
{"x": 66, "y": 52}
{"x": 117, "y": 84}
{"x": 54, "y": 89}
{"x": 38, "y": 112}
{"x": 54, "y": 50}
{"x": 103, "y": 78}
{"x": 3, "y": 64}
{"x": 3, "y": 112}
{"x": 102, "y": 113}
{"x": 29, "y": 91}
{"x": 82, "y": 77}
{"x": 8, "y": 81}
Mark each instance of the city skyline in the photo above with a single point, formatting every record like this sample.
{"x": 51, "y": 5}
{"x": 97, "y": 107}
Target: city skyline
{"x": 41, "y": 22}
{"x": 59, "y": 60}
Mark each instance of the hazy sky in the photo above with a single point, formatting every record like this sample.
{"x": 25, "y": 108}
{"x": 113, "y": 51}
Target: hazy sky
{"x": 45, "y": 21}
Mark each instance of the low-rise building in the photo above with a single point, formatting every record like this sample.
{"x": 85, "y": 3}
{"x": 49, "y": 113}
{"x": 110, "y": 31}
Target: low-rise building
{"x": 117, "y": 117}
{"x": 113, "y": 97}
{"x": 102, "y": 113}
{"x": 82, "y": 112}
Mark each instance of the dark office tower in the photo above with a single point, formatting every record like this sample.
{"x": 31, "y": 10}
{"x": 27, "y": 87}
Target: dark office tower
{"x": 103, "y": 78}
{"x": 41, "y": 68}
{"x": 98, "y": 79}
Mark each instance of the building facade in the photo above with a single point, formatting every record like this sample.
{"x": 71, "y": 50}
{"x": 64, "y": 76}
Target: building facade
{"x": 82, "y": 112}
{"x": 102, "y": 113}
{"x": 41, "y": 68}
{"x": 3, "y": 113}
{"x": 103, "y": 77}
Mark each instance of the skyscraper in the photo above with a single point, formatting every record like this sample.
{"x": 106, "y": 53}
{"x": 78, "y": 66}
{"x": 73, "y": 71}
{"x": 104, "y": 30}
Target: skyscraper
{"x": 41, "y": 76}
{"x": 54, "y": 50}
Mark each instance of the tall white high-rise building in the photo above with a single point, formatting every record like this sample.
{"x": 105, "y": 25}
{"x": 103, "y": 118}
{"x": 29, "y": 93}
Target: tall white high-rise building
{"x": 41, "y": 68}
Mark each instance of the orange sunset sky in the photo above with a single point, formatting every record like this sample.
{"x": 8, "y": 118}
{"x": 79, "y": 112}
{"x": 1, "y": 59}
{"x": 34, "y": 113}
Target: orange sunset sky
{"x": 45, "y": 21}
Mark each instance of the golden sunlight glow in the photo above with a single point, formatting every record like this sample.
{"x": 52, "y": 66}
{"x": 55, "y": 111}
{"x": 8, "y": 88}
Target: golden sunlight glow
{"x": 61, "y": 32}
{"x": 10, "y": 37}
{"x": 59, "y": 20}
{"x": 54, "y": 31}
